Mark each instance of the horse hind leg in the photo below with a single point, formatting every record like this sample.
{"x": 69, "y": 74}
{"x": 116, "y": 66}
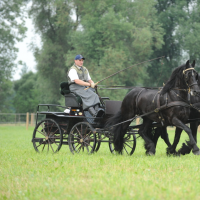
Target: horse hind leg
{"x": 143, "y": 132}
{"x": 154, "y": 134}
{"x": 161, "y": 132}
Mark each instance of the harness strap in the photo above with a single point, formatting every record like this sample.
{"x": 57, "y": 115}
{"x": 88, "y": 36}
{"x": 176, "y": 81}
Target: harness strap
{"x": 172, "y": 104}
{"x": 159, "y": 113}
{"x": 191, "y": 68}
{"x": 138, "y": 97}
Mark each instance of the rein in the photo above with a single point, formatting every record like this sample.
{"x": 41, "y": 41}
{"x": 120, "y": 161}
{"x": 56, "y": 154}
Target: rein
{"x": 128, "y": 87}
{"x": 166, "y": 105}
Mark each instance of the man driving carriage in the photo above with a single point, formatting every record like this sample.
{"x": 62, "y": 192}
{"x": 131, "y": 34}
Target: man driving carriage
{"x": 78, "y": 79}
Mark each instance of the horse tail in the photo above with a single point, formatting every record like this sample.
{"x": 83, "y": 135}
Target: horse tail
{"x": 118, "y": 123}
{"x": 116, "y": 131}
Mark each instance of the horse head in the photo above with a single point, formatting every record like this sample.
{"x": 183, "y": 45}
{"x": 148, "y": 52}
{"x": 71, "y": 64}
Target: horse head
{"x": 183, "y": 77}
{"x": 191, "y": 77}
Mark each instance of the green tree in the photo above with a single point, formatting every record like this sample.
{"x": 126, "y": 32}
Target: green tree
{"x": 174, "y": 16}
{"x": 188, "y": 31}
{"x": 11, "y": 31}
{"x": 26, "y": 96}
{"x": 113, "y": 35}
{"x": 53, "y": 22}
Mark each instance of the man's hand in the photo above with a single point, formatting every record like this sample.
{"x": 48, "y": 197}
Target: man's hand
{"x": 92, "y": 85}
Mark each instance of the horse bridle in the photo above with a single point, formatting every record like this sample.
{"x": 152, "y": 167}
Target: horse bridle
{"x": 185, "y": 77}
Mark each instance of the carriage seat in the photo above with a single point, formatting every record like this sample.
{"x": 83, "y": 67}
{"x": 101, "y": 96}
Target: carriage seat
{"x": 71, "y": 99}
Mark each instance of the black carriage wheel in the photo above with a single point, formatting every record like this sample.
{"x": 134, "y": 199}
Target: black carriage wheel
{"x": 128, "y": 146}
{"x": 47, "y": 136}
{"x": 82, "y": 138}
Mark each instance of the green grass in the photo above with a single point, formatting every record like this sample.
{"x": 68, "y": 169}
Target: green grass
{"x": 25, "y": 174}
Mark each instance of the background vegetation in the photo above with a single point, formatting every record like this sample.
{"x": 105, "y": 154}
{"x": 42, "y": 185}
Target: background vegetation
{"x": 111, "y": 34}
{"x": 25, "y": 174}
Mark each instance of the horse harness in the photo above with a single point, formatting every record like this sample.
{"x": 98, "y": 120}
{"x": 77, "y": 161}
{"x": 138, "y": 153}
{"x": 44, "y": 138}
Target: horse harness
{"x": 159, "y": 108}
{"x": 166, "y": 105}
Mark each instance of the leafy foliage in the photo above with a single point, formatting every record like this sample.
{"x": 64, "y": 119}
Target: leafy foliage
{"x": 26, "y": 93}
{"x": 11, "y": 31}
{"x": 189, "y": 31}
{"x": 115, "y": 35}
{"x": 52, "y": 20}
{"x": 112, "y": 35}
{"x": 178, "y": 20}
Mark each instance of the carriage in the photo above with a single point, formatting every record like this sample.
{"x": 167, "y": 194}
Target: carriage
{"x": 82, "y": 132}
{"x": 76, "y": 127}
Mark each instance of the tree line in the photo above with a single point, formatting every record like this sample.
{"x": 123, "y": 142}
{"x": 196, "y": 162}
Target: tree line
{"x": 111, "y": 34}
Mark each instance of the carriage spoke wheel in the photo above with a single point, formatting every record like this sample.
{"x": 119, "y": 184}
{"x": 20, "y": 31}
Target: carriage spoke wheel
{"x": 128, "y": 146}
{"x": 82, "y": 138}
{"x": 47, "y": 136}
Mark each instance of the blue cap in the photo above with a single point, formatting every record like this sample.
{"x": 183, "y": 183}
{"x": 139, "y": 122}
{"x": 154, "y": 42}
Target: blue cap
{"x": 78, "y": 57}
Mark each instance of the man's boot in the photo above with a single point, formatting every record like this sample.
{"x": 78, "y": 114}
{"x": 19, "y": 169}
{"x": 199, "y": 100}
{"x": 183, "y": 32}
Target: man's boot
{"x": 99, "y": 111}
{"x": 92, "y": 111}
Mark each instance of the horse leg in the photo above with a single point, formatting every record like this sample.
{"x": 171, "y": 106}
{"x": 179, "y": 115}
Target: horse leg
{"x": 149, "y": 145}
{"x": 161, "y": 131}
{"x": 172, "y": 149}
{"x": 156, "y": 135}
{"x": 194, "y": 127}
{"x": 186, "y": 149}
{"x": 165, "y": 137}
{"x": 191, "y": 143}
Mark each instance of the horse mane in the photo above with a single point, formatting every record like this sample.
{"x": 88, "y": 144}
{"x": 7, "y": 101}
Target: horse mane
{"x": 176, "y": 74}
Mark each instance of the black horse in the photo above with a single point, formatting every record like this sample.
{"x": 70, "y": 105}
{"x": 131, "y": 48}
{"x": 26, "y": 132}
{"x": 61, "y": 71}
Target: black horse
{"x": 194, "y": 120}
{"x": 194, "y": 123}
{"x": 168, "y": 106}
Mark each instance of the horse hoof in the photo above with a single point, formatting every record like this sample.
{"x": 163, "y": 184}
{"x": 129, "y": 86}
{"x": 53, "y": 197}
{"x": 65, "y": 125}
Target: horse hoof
{"x": 196, "y": 152}
{"x": 149, "y": 153}
{"x": 176, "y": 154}
{"x": 168, "y": 153}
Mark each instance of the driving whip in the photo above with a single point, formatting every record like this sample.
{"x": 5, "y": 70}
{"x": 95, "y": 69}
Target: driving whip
{"x": 125, "y": 69}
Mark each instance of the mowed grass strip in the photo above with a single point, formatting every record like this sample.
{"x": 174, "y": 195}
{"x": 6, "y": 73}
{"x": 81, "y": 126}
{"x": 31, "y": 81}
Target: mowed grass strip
{"x": 25, "y": 174}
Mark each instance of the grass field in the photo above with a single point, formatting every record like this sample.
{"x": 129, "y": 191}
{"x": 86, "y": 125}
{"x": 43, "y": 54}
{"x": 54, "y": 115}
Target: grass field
{"x": 25, "y": 174}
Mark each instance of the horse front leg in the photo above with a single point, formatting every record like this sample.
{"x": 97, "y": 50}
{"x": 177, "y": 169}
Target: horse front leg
{"x": 165, "y": 136}
{"x": 194, "y": 127}
{"x": 172, "y": 149}
{"x": 185, "y": 149}
{"x": 191, "y": 143}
